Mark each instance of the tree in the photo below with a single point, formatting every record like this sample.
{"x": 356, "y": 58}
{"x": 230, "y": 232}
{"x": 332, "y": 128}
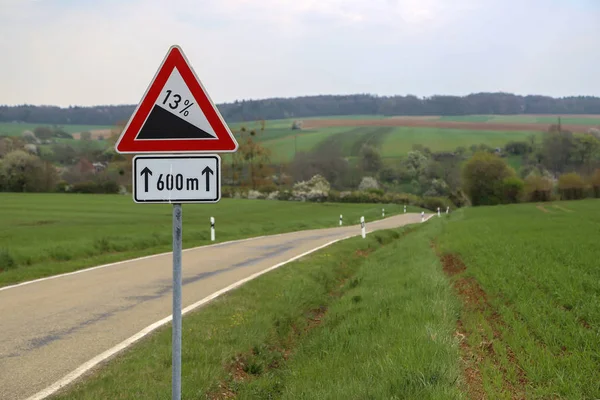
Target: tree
{"x": 585, "y": 149}
{"x": 29, "y": 137}
{"x": 557, "y": 149}
{"x": 23, "y": 172}
{"x": 367, "y": 183}
{"x": 483, "y": 177}
{"x": 370, "y": 159}
{"x": 256, "y": 158}
{"x": 518, "y": 148}
{"x": 11, "y": 143}
{"x": 43, "y": 132}
{"x": 415, "y": 164}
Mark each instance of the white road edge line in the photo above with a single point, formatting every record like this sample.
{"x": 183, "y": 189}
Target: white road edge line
{"x": 128, "y": 342}
{"x": 69, "y": 378}
{"x": 164, "y": 254}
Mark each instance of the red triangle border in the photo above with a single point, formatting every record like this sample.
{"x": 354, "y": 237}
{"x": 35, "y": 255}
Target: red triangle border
{"x": 225, "y": 141}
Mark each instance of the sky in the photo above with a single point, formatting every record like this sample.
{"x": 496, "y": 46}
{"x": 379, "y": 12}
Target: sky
{"x": 98, "y": 52}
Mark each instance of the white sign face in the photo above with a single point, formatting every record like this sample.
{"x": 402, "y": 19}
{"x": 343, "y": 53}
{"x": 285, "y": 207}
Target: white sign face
{"x": 177, "y": 179}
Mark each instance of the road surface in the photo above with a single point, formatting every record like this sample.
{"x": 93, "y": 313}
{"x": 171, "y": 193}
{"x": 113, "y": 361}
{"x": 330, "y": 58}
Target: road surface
{"x": 51, "y": 327}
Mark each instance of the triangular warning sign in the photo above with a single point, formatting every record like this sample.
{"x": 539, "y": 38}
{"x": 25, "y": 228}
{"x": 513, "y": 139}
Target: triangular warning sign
{"x": 176, "y": 115}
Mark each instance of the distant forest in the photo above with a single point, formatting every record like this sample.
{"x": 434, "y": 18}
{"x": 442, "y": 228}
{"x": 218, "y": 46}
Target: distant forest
{"x": 326, "y": 105}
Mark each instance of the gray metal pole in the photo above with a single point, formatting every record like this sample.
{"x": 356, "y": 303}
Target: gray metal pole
{"x": 177, "y": 234}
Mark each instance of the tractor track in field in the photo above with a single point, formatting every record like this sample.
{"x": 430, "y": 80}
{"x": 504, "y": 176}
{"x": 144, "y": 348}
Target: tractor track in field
{"x": 431, "y": 123}
{"x": 475, "y": 301}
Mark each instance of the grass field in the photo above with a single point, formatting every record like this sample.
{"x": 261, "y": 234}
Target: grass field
{"x": 488, "y": 303}
{"x": 16, "y": 129}
{"x": 45, "y": 234}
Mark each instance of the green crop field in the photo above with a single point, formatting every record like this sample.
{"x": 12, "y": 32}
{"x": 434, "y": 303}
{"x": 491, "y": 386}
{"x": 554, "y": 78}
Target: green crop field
{"x": 532, "y": 291}
{"x": 44, "y": 234}
{"x": 393, "y": 142}
{"x": 16, "y": 129}
{"x": 401, "y": 140}
{"x": 492, "y": 302}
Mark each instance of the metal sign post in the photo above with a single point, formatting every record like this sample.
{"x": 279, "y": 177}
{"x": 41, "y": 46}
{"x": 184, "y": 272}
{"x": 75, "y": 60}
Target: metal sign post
{"x": 176, "y": 115}
{"x": 177, "y": 244}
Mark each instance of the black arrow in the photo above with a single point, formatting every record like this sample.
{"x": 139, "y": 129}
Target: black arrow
{"x": 145, "y": 172}
{"x": 208, "y": 172}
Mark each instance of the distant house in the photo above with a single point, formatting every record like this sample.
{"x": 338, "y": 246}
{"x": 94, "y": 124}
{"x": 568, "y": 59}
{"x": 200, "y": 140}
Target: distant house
{"x": 99, "y": 167}
{"x": 84, "y": 166}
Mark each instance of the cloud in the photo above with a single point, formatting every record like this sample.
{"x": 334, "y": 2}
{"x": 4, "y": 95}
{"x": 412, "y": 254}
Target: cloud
{"x": 87, "y": 52}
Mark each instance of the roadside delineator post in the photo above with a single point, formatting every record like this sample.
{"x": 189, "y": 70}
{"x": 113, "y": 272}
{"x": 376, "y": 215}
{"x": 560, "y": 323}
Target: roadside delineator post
{"x": 422, "y": 216}
{"x": 383, "y": 212}
{"x": 439, "y": 212}
{"x": 362, "y": 226}
{"x": 212, "y": 229}
{"x": 341, "y": 220}
{"x": 447, "y": 210}
{"x": 405, "y": 209}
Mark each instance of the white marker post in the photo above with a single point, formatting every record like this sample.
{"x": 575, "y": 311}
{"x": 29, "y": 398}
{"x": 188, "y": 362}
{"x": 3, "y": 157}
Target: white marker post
{"x": 341, "y": 220}
{"x": 447, "y": 210}
{"x": 405, "y": 209}
{"x": 362, "y": 226}
{"x": 439, "y": 215}
{"x": 383, "y": 212}
{"x": 212, "y": 229}
{"x": 422, "y": 216}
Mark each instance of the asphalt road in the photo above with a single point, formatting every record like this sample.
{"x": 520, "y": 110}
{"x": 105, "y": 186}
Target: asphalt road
{"x": 50, "y": 328}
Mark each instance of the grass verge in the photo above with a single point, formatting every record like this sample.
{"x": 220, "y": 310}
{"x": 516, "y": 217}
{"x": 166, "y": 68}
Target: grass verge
{"x": 367, "y": 318}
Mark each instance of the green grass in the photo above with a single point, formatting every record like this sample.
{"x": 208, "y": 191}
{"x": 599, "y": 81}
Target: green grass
{"x": 16, "y": 129}
{"x": 353, "y": 321}
{"x": 540, "y": 273}
{"x": 45, "y": 234}
{"x": 401, "y": 140}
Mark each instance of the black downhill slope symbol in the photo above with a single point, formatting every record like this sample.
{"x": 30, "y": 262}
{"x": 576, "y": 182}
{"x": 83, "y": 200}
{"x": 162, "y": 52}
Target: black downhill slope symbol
{"x": 161, "y": 124}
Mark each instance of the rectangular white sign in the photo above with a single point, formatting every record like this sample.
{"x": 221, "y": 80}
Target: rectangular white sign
{"x": 177, "y": 179}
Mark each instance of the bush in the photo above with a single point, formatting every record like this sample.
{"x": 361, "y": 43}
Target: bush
{"x": 6, "y": 260}
{"x": 266, "y": 189}
{"x": 571, "y": 186}
{"x": 106, "y": 187}
{"x": 284, "y": 195}
{"x": 518, "y": 148}
{"x": 110, "y": 187}
{"x": 367, "y": 183}
{"x": 538, "y": 188}
{"x": 483, "y": 177}
{"x": 432, "y": 203}
{"x": 594, "y": 183}
{"x": 379, "y": 192}
{"x": 255, "y": 194}
{"x": 315, "y": 189}
{"x": 62, "y": 187}
{"x": 512, "y": 188}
